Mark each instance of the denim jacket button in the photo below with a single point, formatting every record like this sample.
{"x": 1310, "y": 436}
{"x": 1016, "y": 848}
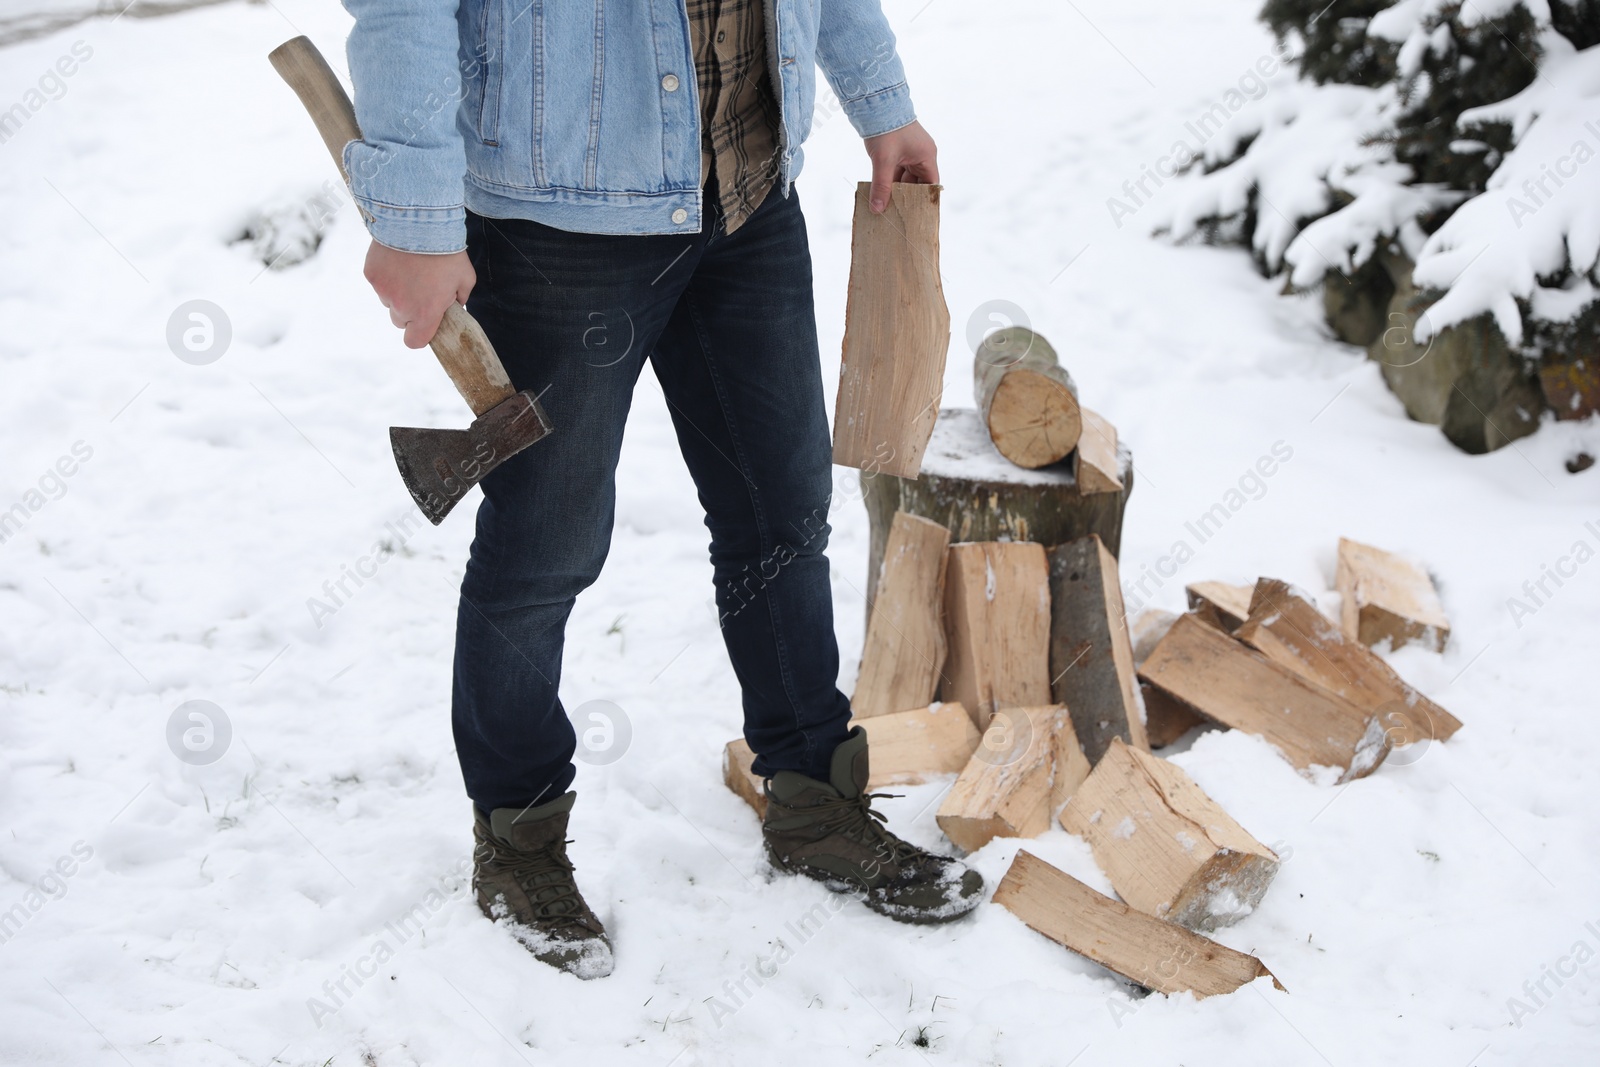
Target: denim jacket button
{"x": 680, "y": 216}
{"x": 670, "y": 83}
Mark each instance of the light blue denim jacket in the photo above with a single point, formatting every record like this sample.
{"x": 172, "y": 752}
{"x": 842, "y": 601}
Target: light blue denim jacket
{"x": 580, "y": 114}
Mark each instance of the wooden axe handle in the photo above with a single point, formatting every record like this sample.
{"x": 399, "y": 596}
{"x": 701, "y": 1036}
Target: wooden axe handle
{"x": 460, "y": 344}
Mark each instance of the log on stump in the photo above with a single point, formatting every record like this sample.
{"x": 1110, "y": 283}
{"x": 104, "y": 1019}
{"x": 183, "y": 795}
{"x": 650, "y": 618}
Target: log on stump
{"x": 1097, "y": 463}
{"x": 905, "y": 646}
{"x": 896, "y": 334}
{"x": 1235, "y": 685}
{"x": 1286, "y": 627}
{"x": 997, "y": 627}
{"x": 1028, "y": 402}
{"x": 1219, "y": 603}
{"x": 1387, "y": 597}
{"x": 903, "y": 748}
{"x": 1168, "y": 849}
{"x": 1154, "y": 953}
{"x": 1027, "y": 765}
{"x": 1091, "y": 655}
{"x": 975, "y": 493}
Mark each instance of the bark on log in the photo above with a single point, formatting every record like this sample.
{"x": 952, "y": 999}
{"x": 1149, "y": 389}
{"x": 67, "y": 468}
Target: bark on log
{"x": 1154, "y": 953}
{"x": 1168, "y": 849}
{"x": 975, "y": 493}
{"x": 905, "y": 646}
{"x": 1091, "y": 655}
{"x": 1028, "y": 402}
{"x": 896, "y": 334}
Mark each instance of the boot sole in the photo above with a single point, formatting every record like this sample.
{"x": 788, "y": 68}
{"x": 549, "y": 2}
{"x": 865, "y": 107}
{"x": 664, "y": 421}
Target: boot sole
{"x": 900, "y": 913}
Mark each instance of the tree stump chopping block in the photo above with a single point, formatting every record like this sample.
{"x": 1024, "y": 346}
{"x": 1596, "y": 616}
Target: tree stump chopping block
{"x": 974, "y": 492}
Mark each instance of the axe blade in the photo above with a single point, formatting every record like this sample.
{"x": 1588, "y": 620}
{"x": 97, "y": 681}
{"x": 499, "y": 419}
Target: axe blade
{"x": 439, "y": 466}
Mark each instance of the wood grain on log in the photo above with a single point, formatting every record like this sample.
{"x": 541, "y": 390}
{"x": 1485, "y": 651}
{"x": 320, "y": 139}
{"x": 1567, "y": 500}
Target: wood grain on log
{"x": 1235, "y": 685}
{"x": 1385, "y": 597}
{"x": 1027, "y": 765}
{"x": 1096, "y": 463}
{"x": 1167, "y": 848}
{"x": 1154, "y": 953}
{"x": 896, "y": 334}
{"x": 1027, "y": 400}
{"x": 997, "y": 625}
{"x": 1287, "y": 628}
{"x": 905, "y": 644}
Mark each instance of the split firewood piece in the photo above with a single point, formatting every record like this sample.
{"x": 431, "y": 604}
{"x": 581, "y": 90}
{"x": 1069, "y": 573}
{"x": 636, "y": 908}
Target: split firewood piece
{"x": 1091, "y": 654}
{"x": 1027, "y": 400}
{"x": 997, "y": 623}
{"x": 905, "y": 647}
{"x": 907, "y": 747}
{"x": 1385, "y": 596}
{"x": 1027, "y": 765}
{"x": 1146, "y": 630}
{"x": 1095, "y": 463}
{"x": 1287, "y": 628}
{"x": 1220, "y": 603}
{"x": 896, "y": 333}
{"x": 903, "y": 748}
{"x": 1237, "y": 686}
{"x": 1156, "y": 954}
{"x": 1165, "y": 719}
{"x": 737, "y": 775}
{"x": 1167, "y": 848}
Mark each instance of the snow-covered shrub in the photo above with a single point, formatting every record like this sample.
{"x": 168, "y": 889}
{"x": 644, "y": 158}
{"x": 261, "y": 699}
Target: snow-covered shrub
{"x": 1459, "y": 135}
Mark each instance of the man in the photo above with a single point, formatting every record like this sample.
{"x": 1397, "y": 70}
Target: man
{"x": 612, "y": 182}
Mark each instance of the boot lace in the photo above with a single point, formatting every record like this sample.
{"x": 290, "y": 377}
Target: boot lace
{"x": 545, "y": 874}
{"x": 855, "y": 818}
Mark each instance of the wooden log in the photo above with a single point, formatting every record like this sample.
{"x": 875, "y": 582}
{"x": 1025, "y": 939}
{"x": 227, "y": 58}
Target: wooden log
{"x": 1286, "y": 627}
{"x": 907, "y": 747}
{"x": 1165, "y": 719}
{"x": 1096, "y": 464}
{"x": 903, "y": 748}
{"x": 997, "y": 626}
{"x": 1027, "y": 765}
{"x": 1167, "y": 848}
{"x": 975, "y": 493}
{"x": 1227, "y": 604}
{"x": 1235, "y": 685}
{"x": 1154, "y": 953}
{"x": 905, "y": 646}
{"x": 1091, "y": 654}
{"x": 896, "y": 334}
{"x": 1147, "y": 629}
{"x": 737, "y": 775}
{"x": 1028, "y": 402}
{"x": 1385, "y": 597}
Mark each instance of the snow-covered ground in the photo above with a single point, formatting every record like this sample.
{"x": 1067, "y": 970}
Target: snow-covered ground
{"x": 162, "y": 910}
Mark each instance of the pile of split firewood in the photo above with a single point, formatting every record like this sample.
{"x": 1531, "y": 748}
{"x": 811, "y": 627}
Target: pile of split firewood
{"x": 1006, "y": 657}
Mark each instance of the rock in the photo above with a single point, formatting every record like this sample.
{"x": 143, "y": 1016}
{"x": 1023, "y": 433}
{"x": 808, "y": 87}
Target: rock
{"x": 1356, "y": 305}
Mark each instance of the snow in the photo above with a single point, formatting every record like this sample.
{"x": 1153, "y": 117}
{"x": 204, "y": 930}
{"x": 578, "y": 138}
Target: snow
{"x": 175, "y": 911}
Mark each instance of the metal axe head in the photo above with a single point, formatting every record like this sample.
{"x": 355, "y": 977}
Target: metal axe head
{"x": 439, "y": 466}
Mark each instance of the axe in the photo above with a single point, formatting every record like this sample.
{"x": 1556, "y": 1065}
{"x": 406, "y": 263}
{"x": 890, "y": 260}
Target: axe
{"x": 438, "y": 466}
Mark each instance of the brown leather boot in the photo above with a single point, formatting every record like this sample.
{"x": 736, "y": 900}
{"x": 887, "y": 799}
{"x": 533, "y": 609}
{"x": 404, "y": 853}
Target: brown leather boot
{"x": 524, "y": 882}
{"x": 829, "y": 832}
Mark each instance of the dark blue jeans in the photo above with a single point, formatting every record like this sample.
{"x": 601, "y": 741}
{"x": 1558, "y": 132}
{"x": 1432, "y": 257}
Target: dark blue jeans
{"x": 726, "y": 321}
